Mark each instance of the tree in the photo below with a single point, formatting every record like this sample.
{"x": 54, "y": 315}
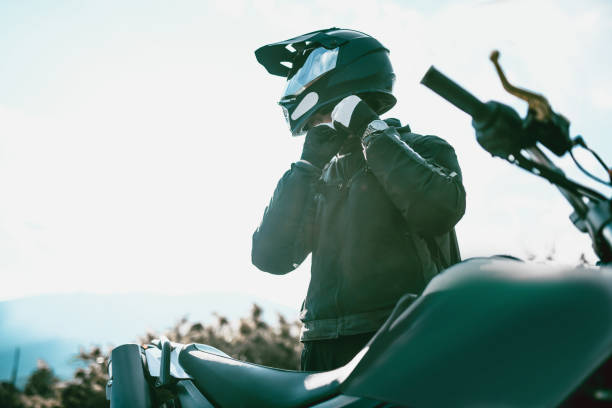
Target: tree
{"x": 42, "y": 381}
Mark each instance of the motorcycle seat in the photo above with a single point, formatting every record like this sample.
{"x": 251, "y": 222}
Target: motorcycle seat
{"x": 228, "y": 382}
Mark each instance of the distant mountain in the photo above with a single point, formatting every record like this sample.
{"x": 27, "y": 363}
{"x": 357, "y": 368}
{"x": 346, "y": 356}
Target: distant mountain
{"x": 53, "y": 327}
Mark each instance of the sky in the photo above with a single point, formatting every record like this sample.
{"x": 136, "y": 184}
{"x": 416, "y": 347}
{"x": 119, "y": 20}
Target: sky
{"x": 140, "y": 141}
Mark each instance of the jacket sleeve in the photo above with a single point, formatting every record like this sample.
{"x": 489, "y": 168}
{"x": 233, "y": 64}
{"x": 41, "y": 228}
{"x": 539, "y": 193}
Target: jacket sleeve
{"x": 421, "y": 175}
{"x": 284, "y": 237}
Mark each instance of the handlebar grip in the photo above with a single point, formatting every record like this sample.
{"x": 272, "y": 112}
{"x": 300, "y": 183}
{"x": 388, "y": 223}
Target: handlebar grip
{"x": 455, "y": 94}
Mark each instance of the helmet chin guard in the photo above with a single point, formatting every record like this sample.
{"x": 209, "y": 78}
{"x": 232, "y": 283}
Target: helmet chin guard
{"x": 325, "y": 66}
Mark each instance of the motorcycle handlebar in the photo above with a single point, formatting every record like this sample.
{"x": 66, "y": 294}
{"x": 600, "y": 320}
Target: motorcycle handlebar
{"x": 598, "y": 219}
{"x": 455, "y": 94}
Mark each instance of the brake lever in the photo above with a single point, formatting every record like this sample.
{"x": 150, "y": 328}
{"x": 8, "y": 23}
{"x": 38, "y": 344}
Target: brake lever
{"x": 537, "y": 103}
{"x": 546, "y": 126}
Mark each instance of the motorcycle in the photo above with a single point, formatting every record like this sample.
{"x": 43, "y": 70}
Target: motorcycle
{"x": 486, "y": 332}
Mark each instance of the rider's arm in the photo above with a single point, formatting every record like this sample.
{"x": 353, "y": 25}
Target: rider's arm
{"x": 421, "y": 175}
{"x": 284, "y": 237}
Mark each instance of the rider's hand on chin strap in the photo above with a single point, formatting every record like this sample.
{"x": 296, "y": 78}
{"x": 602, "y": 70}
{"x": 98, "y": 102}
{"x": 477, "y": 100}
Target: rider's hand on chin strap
{"x": 352, "y": 116}
{"x": 321, "y": 144}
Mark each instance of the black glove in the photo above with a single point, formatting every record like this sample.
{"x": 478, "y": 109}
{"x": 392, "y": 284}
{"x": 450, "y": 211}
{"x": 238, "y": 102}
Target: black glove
{"x": 352, "y": 116}
{"x": 501, "y": 133}
{"x": 321, "y": 144}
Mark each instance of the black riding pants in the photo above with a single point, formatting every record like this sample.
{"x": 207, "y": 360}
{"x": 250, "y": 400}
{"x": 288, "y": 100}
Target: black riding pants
{"x": 323, "y": 355}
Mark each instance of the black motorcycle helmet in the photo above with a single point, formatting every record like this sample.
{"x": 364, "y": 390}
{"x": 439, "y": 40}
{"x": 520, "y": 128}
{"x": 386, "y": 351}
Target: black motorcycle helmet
{"x": 325, "y": 66}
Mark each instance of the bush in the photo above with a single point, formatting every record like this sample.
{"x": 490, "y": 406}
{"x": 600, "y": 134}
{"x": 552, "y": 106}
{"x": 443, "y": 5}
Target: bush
{"x": 10, "y": 396}
{"x": 251, "y": 340}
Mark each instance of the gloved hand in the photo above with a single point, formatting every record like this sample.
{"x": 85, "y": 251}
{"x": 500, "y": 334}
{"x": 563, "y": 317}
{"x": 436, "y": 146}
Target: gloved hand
{"x": 501, "y": 133}
{"x": 352, "y": 116}
{"x": 321, "y": 144}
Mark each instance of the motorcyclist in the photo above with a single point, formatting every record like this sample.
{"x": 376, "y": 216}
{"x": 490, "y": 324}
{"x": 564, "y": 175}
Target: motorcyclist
{"x": 374, "y": 203}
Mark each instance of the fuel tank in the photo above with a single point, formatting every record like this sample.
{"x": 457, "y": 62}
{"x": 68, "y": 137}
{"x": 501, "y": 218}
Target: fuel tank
{"x": 491, "y": 332}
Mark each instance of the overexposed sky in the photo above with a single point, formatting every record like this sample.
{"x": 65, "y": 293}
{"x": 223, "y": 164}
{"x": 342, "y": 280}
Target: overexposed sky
{"x": 141, "y": 141}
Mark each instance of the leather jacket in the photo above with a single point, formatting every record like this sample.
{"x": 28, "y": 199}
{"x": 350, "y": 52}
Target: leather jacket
{"x": 379, "y": 222}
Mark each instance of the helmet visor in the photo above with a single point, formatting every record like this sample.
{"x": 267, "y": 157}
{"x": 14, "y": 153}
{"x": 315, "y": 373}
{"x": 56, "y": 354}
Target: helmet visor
{"x": 320, "y": 61}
